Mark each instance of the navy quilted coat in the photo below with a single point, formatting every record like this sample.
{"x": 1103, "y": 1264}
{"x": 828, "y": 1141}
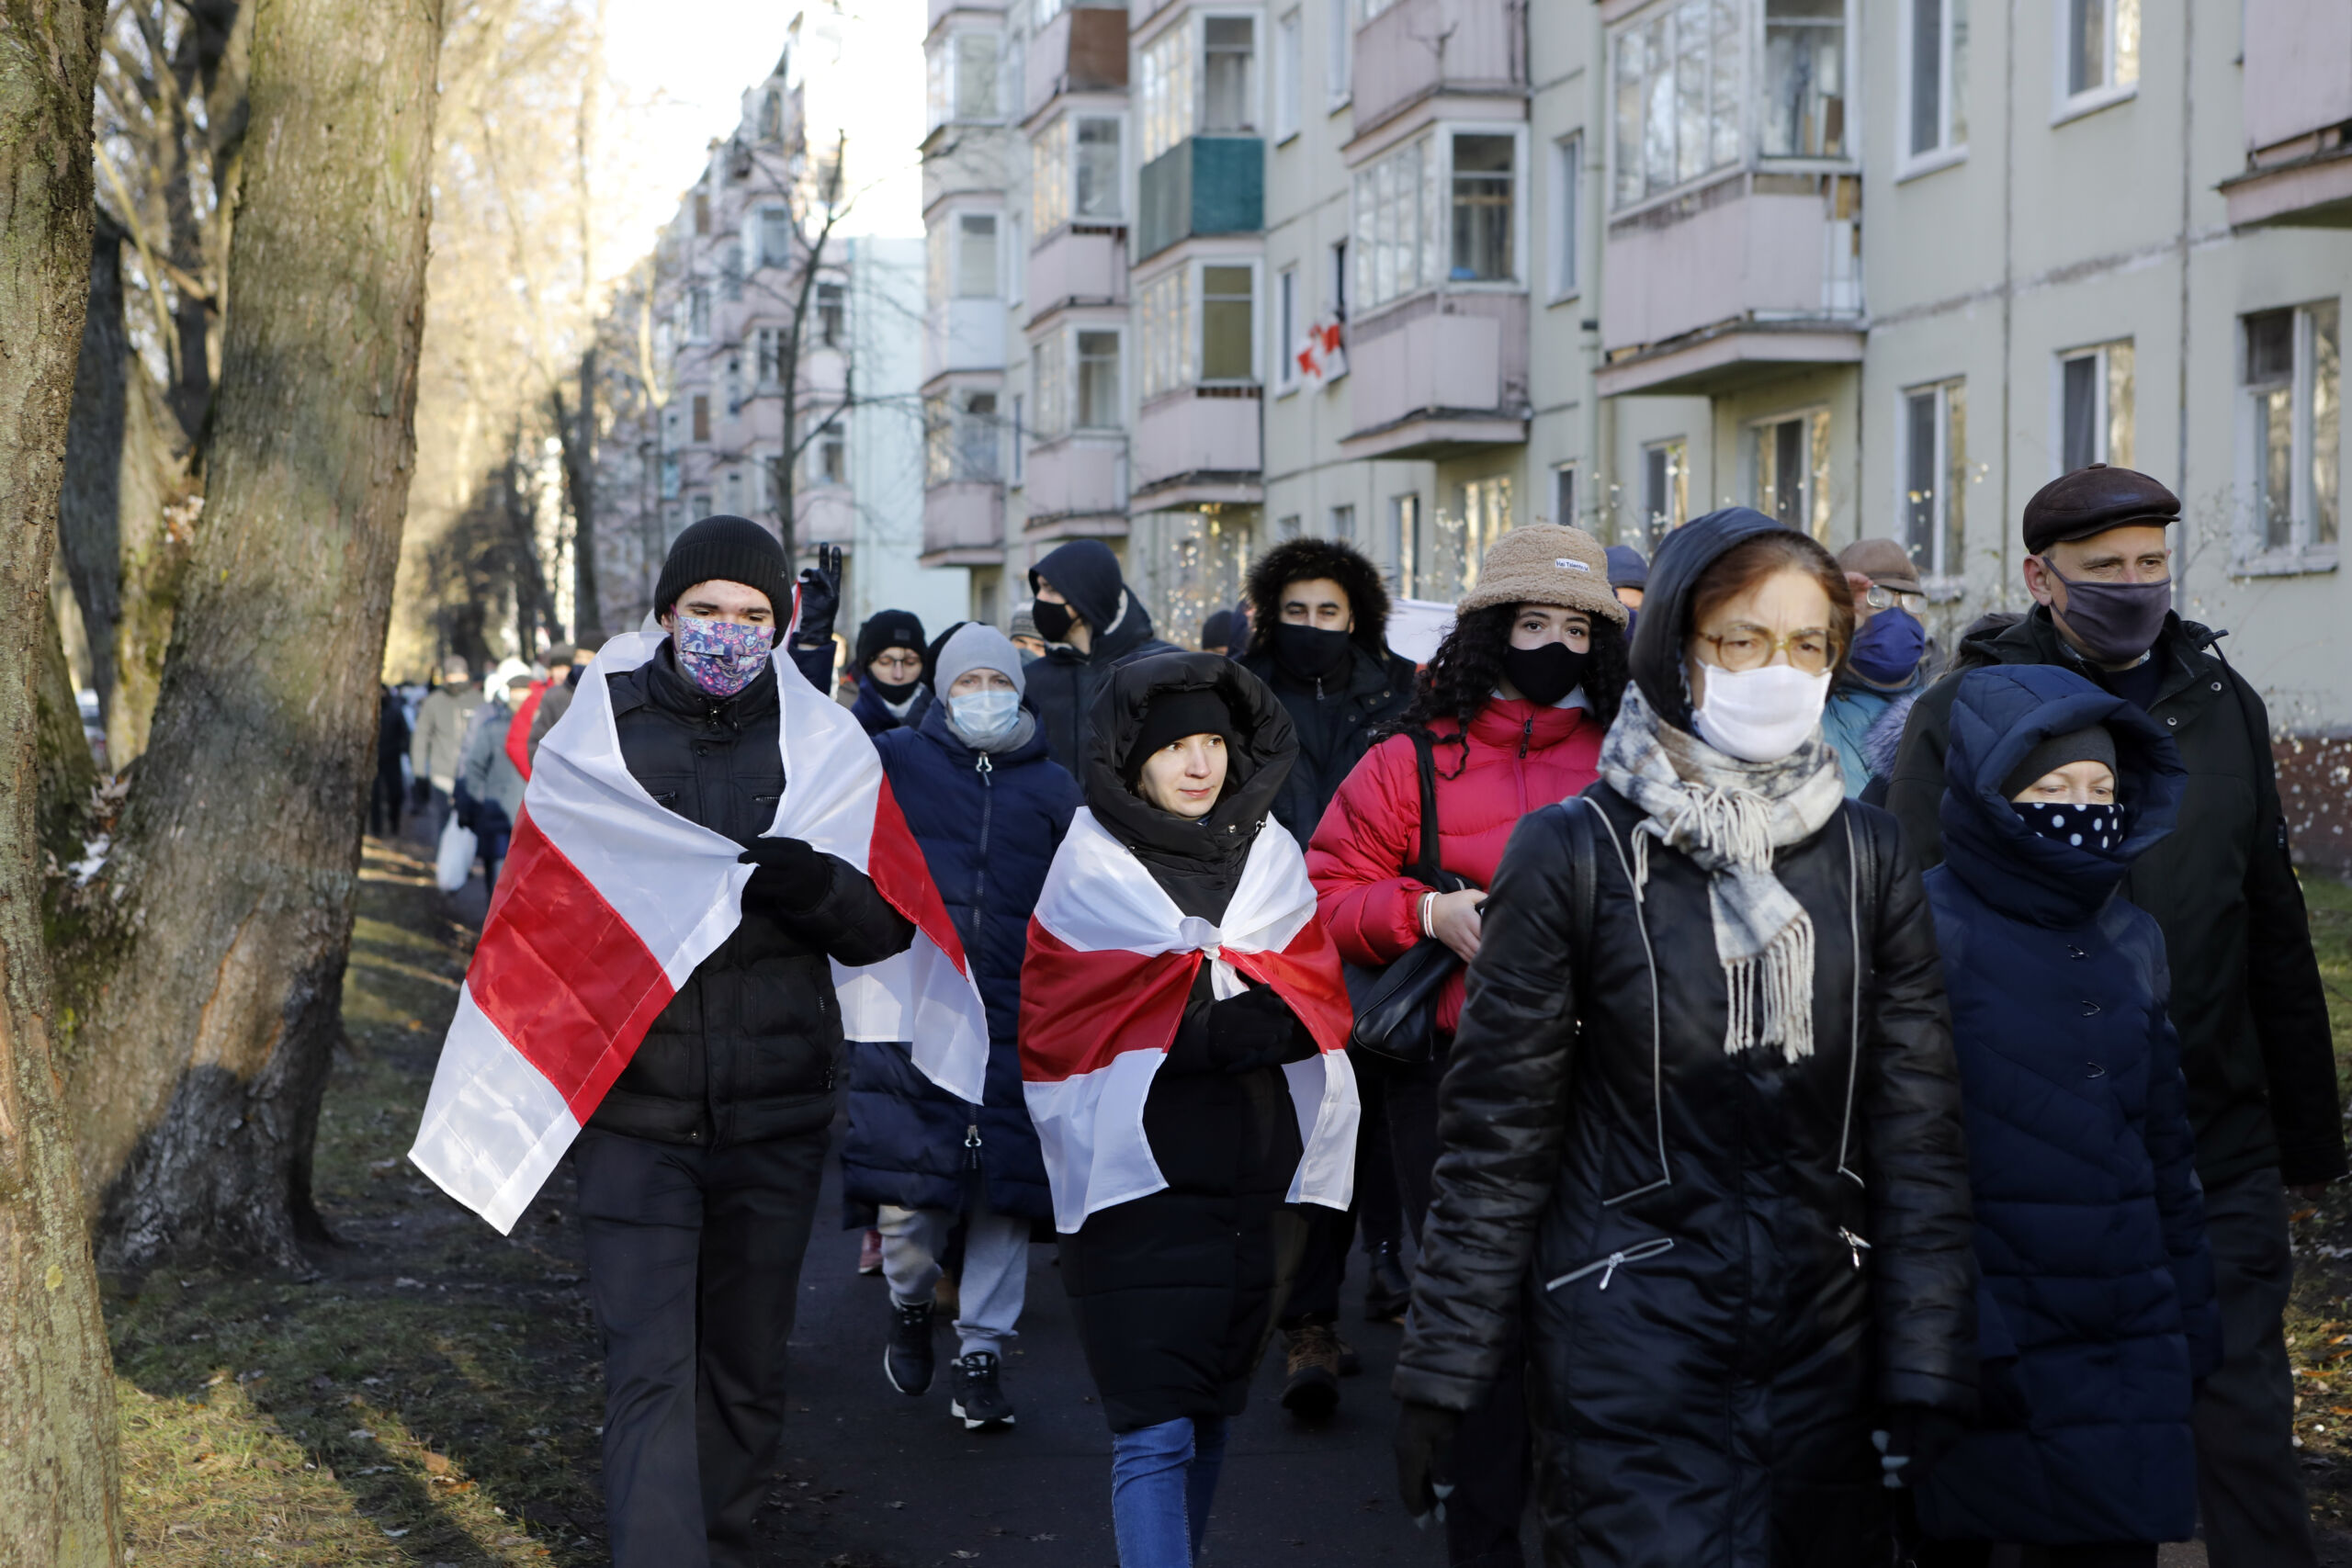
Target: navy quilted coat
{"x": 2095, "y": 1307}
{"x": 987, "y": 826}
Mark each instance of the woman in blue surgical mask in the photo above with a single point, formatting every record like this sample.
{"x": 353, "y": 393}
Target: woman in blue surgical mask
{"x": 988, "y": 809}
{"x": 1887, "y": 667}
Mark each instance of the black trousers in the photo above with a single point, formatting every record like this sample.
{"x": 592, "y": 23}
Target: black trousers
{"x": 1323, "y": 1265}
{"x": 694, "y": 1267}
{"x": 2249, "y": 1488}
{"x": 385, "y": 801}
{"x": 1982, "y": 1554}
{"x": 1491, "y": 1450}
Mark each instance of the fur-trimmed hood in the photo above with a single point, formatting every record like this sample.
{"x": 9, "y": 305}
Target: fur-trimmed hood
{"x": 1300, "y": 560}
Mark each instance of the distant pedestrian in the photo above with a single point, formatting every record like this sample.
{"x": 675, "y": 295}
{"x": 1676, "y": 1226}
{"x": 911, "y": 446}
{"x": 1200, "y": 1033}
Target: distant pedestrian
{"x": 437, "y": 745}
{"x": 566, "y": 665}
{"x": 1093, "y": 624}
{"x": 1218, "y": 634}
{"x": 890, "y": 692}
{"x": 2096, "y": 1315}
{"x": 490, "y": 775}
{"x": 1023, "y": 633}
{"x": 988, "y": 809}
{"x": 1887, "y": 667}
{"x": 1702, "y": 1144}
{"x": 1182, "y": 1033}
{"x": 389, "y": 792}
{"x": 2246, "y": 996}
{"x": 1629, "y": 577}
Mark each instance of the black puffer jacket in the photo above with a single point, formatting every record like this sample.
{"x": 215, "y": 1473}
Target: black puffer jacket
{"x": 1726, "y": 1266}
{"x": 1175, "y": 1292}
{"x": 2246, "y": 997}
{"x": 1337, "y": 722}
{"x": 750, "y": 1047}
{"x": 1065, "y": 685}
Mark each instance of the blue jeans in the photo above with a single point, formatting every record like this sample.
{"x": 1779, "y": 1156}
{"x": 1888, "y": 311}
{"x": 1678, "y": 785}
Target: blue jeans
{"x": 1161, "y": 1481}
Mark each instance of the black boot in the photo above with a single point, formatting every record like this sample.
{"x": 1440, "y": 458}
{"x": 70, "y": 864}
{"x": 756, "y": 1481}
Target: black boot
{"x": 1387, "y": 1291}
{"x": 907, "y": 1359}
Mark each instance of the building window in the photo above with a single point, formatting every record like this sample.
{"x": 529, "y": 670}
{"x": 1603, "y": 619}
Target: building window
{"x": 832, "y": 459}
{"x": 1287, "y": 68}
{"x": 1098, "y": 381}
{"x": 2102, "y": 45}
{"x": 1163, "y": 313}
{"x": 1404, "y": 520}
{"x": 1286, "y": 329}
{"x": 976, "y": 257}
{"x": 975, "y": 437}
{"x": 831, "y": 315}
{"x": 775, "y": 237}
{"x": 772, "y": 115}
{"x": 1228, "y": 76}
{"x": 1564, "y": 494}
{"x": 1484, "y": 517}
{"x": 702, "y": 416}
{"x": 1804, "y": 79}
{"x": 1338, "y": 53}
{"x": 768, "y": 355}
{"x": 1336, "y": 285}
{"x": 1396, "y": 243}
{"x": 1936, "y": 85}
{"x": 1567, "y": 212}
{"x": 1228, "y": 352}
{"x": 1482, "y": 209}
{"x": 1934, "y": 459}
{"x": 2095, "y": 407}
{"x": 731, "y": 486}
{"x": 1166, "y": 88}
{"x": 1049, "y": 178}
{"x": 1095, "y": 166}
{"x": 1675, "y": 80}
{"x": 1288, "y": 528}
{"x": 1665, "y": 488}
{"x": 1791, "y": 468}
{"x": 2293, "y": 380}
{"x": 975, "y": 73}
{"x": 1048, "y": 375}
{"x": 1341, "y": 525}
{"x": 1016, "y": 258}
{"x": 1020, "y": 438}
{"x": 697, "y": 314}
{"x": 702, "y": 212}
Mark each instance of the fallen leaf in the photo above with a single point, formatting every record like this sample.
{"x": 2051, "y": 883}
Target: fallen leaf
{"x": 436, "y": 1464}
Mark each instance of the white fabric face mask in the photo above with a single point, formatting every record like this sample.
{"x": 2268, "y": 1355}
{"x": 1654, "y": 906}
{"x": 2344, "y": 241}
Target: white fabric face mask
{"x": 1760, "y": 715}
{"x": 983, "y": 716}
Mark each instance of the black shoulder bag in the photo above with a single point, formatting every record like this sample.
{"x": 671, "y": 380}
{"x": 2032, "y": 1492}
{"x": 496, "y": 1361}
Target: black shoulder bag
{"x": 1396, "y": 1004}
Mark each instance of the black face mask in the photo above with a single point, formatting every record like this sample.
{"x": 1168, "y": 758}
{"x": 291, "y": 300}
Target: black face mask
{"x": 1543, "y": 675}
{"x": 893, "y": 694}
{"x": 1310, "y": 653}
{"x": 2095, "y": 828}
{"x": 1052, "y": 620}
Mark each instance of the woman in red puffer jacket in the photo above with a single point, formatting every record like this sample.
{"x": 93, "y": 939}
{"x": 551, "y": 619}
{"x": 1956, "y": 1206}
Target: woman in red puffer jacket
{"x": 1515, "y": 700}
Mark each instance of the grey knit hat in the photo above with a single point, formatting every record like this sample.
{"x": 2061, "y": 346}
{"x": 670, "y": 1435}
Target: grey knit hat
{"x": 976, "y": 644}
{"x": 1545, "y": 563}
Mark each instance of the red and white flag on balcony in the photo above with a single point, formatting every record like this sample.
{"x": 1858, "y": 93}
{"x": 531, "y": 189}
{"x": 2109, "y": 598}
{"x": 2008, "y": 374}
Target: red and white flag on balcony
{"x": 1111, "y": 962}
{"x": 1322, "y": 351}
{"x": 607, "y": 902}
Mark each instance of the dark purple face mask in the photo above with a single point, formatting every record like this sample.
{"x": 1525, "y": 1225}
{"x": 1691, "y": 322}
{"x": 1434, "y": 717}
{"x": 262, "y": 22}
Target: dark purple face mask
{"x": 2115, "y": 622}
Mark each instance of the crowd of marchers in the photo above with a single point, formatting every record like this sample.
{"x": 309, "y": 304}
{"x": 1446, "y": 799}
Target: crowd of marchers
{"x": 1809, "y": 1095}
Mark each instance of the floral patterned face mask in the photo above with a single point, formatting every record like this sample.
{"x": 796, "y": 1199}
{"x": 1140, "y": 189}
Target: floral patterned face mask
{"x": 721, "y": 657}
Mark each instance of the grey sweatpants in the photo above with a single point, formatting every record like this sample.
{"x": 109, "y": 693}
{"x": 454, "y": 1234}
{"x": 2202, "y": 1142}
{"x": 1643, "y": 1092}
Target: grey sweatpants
{"x": 2249, "y": 1487}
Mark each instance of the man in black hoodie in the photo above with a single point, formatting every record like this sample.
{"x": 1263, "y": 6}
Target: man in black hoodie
{"x": 1091, "y": 626}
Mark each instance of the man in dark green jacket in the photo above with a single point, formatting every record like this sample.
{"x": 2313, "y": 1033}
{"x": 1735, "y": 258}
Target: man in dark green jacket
{"x": 2245, "y": 987}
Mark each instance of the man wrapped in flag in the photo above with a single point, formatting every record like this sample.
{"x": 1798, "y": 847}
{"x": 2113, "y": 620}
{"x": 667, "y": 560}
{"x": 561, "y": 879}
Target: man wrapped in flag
{"x": 710, "y": 886}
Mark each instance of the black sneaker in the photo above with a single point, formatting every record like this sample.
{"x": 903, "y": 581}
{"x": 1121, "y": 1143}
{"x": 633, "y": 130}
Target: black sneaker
{"x": 974, "y": 1396}
{"x": 1388, "y": 1290}
{"x": 907, "y": 1359}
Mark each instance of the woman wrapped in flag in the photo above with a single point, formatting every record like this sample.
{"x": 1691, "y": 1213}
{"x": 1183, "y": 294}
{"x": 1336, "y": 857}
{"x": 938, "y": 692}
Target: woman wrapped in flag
{"x": 710, "y": 887}
{"x": 1184, "y": 1028}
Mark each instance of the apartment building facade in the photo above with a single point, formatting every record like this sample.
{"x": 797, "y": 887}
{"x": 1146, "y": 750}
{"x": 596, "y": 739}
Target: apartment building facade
{"x": 1410, "y": 272}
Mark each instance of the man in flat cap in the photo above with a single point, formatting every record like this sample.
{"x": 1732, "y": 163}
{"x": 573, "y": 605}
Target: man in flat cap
{"x": 2246, "y": 988}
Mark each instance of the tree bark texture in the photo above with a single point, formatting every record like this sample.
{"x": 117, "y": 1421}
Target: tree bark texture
{"x": 58, "y": 1478}
{"x": 209, "y": 967}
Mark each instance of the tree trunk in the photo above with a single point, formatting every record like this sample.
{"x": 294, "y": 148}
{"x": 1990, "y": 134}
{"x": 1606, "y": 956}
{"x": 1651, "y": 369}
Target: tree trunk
{"x": 587, "y": 614}
{"x": 58, "y": 1476}
{"x": 208, "y": 962}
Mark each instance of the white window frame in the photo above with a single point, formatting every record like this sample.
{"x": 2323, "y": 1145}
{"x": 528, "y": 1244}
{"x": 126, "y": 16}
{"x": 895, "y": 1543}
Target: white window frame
{"x": 1255, "y": 88}
{"x": 2105, "y": 447}
{"x": 1050, "y": 377}
{"x": 1167, "y": 356}
{"x": 1813, "y": 489}
{"x": 1743, "y": 131}
{"x": 1567, "y": 480}
{"x": 2068, "y": 104}
{"x": 1118, "y": 371}
{"x": 1118, "y": 174}
{"x": 1289, "y": 88}
{"x": 1752, "y": 111}
{"x": 1339, "y": 521}
{"x": 1167, "y": 88}
{"x": 942, "y": 62}
{"x": 961, "y": 239}
{"x": 2303, "y": 550}
{"x": 1951, "y": 139}
{"x": 1655, "y": 524}
{"x": 1566, "y": 227}
{"x": 1404, "y": 523}
{"x": 1433, "y": 221}
{"x": 1052, "y": 189}
{"x": 1943, "y": 563}
{"x": 1020, "y": 434}
{"x": 1339, "y": 57}
{"x": 1014, "y": 257}
{"x": 761, "y": 217}
{"x": 1447, "y": 130}
{"x": 1283, "y": 316}
{"x": 1200, "y": 326}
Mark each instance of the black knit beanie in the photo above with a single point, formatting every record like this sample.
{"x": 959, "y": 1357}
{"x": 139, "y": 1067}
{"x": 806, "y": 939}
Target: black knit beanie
{"x": 726, "y": 549}
{"x": 2091, "y": 744}
{"x": 1171, "y": 717}
{"x": 886, "y": 629}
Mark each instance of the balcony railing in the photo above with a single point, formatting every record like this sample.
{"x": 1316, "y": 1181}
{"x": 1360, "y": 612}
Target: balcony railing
{"x": 1080, "y": 475}
{"x": 962, "y": 523}
{"x": 1203, "y": 184}
{"x": 1081, "y": 50}
{"x": 2298, "y": 105}
{"x": 963, "y": 334}
{"x": 1202, "y": 440}
{"x": 1438, "y": 374}
{"x": 1081, "y": 264}
{"x": 1419, "y": 48}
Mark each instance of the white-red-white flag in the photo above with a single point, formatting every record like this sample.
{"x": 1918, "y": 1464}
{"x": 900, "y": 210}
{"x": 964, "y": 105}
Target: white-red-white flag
{"x": 1111, "y": 962}
{"x": 607, "y": 902}
{"x": 1322, "y": 351}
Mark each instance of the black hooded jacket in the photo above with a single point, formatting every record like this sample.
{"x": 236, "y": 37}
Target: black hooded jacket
{"x": 1337, "y": 716}
{"x": 1175, "y": 1292}
{"x": 2245, "y": 987}
{"x": 1725, "y": 1266}
{"x": 750, "y": 1046}
{"x": 1064, "y": 685}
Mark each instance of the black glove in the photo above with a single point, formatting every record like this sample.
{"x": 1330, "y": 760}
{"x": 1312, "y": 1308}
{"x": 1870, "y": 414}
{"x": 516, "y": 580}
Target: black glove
{"x": 820, "y": 597}
{"x": 462, "y": 805}
{"x": 791, "y": 878}
{"x": 1425, "y": 1460}
{"x": 1255, "y": 1029}
{"x": 1914, "y": 1440}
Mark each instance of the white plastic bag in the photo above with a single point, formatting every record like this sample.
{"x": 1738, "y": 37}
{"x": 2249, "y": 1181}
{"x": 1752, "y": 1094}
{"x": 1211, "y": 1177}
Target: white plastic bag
{"x": 455, "y": 862}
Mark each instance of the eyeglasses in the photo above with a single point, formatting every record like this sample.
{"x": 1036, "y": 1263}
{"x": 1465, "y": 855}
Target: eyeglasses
{"x": 1888, "y": 598}
{"x": 897, "y": 662}
{"x": 1811, "y": 650}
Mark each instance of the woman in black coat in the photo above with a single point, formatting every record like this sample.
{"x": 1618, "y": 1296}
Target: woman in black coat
{"x": 1702, "y": 1130}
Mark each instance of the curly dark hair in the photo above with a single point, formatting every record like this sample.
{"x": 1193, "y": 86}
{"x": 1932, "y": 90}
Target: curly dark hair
{"x": 1461, "y": 675}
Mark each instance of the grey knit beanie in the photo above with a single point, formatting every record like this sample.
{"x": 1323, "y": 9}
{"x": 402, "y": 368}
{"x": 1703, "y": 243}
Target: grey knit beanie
{"x": 978, "y": 646}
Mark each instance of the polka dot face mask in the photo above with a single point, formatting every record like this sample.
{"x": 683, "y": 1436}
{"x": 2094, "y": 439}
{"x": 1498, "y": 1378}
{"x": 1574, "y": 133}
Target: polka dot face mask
{"x": 2095, "y": 827}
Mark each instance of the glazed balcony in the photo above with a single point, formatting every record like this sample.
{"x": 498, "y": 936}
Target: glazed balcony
{"x": 1084, "y": 49}
{"x": 1082, "y": 475}
{"x": 1418, "y": 50}
{"x": 1198, "y": 445}
{"x": 963, "y": 334}
{"x": 1739, "y": 281}
{"x": 963, "y": 524}
{"x": 2297, "y": 112}
{"x": 1203, "y": 184}
{"x": 1438, "y": 375}
{"x": 1078, "y": 263}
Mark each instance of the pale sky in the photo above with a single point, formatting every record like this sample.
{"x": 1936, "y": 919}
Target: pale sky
{"x": 683, "y": 66}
